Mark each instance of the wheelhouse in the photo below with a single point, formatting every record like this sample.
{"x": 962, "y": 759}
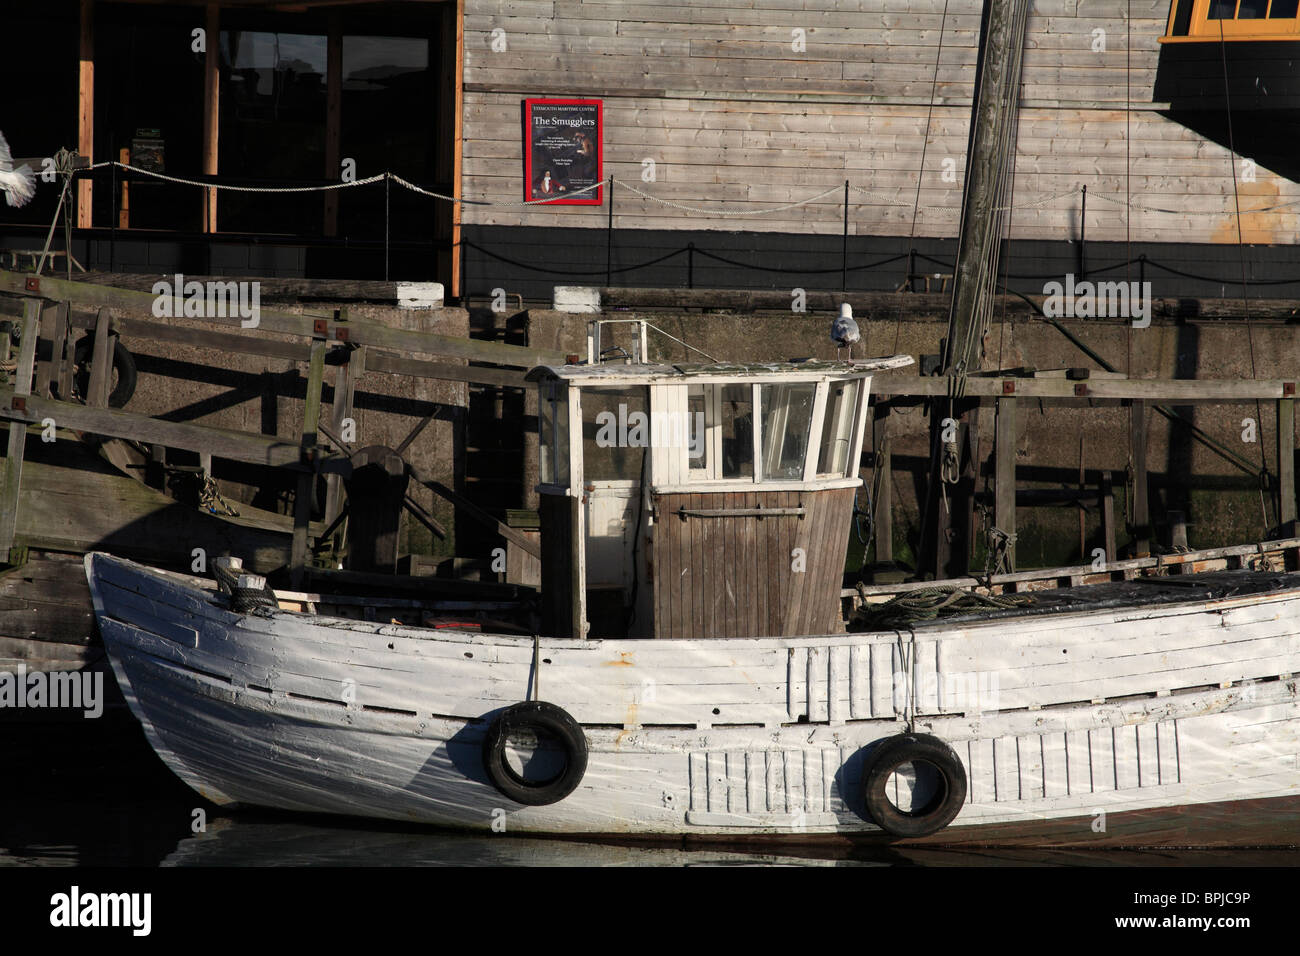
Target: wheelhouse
{"x": 698, "y": 501}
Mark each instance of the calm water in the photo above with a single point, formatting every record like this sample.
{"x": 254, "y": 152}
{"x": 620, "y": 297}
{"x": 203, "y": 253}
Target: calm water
{"x": 92, "y": 793}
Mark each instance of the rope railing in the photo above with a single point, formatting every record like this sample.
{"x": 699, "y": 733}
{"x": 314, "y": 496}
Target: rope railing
{"x": 875, "y": 197}
{"x": 842, "y": 192}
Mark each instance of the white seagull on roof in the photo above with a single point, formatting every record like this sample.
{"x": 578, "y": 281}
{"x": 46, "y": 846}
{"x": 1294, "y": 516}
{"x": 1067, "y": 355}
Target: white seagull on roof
{"x": 19, "y": 184}
{"x": 845, "y": 331}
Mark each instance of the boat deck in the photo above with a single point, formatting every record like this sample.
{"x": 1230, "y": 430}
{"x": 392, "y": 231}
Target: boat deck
{"x": 1135, "y": 593}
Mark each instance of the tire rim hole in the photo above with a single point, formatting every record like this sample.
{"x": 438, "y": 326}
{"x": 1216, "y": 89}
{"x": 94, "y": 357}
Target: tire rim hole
{"x": 533, "y": 758}
{"x": 916, "y": 788}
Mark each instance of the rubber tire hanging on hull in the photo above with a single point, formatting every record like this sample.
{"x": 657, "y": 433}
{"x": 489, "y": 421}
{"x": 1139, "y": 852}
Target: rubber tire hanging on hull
{"x": 940, "y": 811}
{"x": 539, "y": 717}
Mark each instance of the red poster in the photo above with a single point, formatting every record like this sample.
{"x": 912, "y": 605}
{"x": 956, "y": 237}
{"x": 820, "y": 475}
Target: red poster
{"x": 562, "y": 152}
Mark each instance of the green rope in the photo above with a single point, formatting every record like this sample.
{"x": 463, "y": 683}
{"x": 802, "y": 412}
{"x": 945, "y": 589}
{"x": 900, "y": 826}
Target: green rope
{"x": 928, "y": 604}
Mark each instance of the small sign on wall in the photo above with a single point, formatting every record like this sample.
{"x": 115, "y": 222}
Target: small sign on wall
{"x": 562, "y": 152}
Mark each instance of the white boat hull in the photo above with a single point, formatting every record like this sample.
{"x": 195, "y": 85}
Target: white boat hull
{"x": 1073, "y": 718}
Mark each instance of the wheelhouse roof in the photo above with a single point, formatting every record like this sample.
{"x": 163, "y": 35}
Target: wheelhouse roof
{"x": 619, "y": 373}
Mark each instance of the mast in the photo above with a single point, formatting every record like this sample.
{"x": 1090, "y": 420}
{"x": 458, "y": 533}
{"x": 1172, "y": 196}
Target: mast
{"x": 990, "y": 156}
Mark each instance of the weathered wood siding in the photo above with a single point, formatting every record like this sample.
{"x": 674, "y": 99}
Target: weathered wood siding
{"x": 713, "y": 92}
{"x": 735, "y": 577}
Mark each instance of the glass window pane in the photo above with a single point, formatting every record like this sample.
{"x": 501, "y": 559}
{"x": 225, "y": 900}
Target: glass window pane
{"x": 272, "y": 106}
{"x": 615, "y": 433}
{"x": 697, "y": 404}
{"x": 1283, "y": 9}
{"x": 737, "y": 431}
{"x": 552, "y": 434}
{"x": 1222, "y": 9}
{"x": 787, "y": 417}
{"x": 1252, "y": 10}
{"x": 837, "y": 428}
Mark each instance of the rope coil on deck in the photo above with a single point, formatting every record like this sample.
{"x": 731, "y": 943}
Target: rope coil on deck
{"x": 244, "y": 600}
{"x": 929, "y": 604}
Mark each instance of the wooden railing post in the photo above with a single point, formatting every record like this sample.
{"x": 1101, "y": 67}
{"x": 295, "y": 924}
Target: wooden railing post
{"x": 1286, "y": 514}
{"x": 1004, "y": 482}
{"x": 13, "y": 468}
{"x": 307, "y": 480}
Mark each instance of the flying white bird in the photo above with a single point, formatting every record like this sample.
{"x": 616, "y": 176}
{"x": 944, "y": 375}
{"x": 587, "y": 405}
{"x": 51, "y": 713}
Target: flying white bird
{"x": 19, "y": 185}
{"x": 845, "y": 331}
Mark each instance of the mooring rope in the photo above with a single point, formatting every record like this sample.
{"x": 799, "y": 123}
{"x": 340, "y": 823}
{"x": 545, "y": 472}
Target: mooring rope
{"x": 928, "y": 604}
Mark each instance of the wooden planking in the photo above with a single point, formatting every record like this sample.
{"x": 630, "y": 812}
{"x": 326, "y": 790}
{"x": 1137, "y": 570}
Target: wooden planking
{"x": 1236, "y": 749}
{"x": 733, "y": 577}
{"x": 713, "y": 77}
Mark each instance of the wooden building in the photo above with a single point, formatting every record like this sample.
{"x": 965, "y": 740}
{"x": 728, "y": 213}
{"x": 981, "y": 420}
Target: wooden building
{"x": 771, "y": 134}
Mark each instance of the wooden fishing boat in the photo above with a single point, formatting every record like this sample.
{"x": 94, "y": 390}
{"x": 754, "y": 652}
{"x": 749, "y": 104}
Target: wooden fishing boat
{"x": 693, "y": 675}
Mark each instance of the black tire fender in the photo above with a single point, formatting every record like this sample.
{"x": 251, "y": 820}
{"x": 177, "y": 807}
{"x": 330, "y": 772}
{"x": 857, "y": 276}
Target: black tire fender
{"x": 123, "y": 362}
{"x": 940, "y": 811}
{"x": 539, "y": 717}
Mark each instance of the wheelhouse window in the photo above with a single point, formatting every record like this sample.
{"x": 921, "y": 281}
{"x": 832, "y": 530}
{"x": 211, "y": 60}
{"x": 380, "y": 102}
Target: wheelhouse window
{"x": 720, "y": 432}
{"x": 616, "y": 430}
{"x": 553, "y": 433}
{"x": 837, "y": 429}
{"x": 787, "y": 419}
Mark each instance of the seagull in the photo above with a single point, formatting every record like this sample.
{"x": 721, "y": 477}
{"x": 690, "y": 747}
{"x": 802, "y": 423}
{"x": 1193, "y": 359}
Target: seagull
{"x": 18, "y": 185}
{"x": 845, "y": 331}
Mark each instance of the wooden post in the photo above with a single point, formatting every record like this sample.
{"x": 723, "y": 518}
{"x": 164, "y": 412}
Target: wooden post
{"x": 1107, "y": 497}
{"x": 86, "y": 110}
{"x": 1138, "y": 509}
{"x": 457, "y": 124}
{"x": 211, "y": 113}
{"x": 124, "y": 205}
{"x": 307, "y": 480}
{"x": 1286, "y": 512}
{"x": 1004, "y": 479}
{"x": 13, "y": 468}
{"x": 884, "y": 503}
{"x": 333, "y": 122}
{"x": 376, "y": 499}
{"x": 101, "y": 363}
{"x": 68, "y": 348}
{"x": 47, "y": 370}
{"x": 346, "y": 377}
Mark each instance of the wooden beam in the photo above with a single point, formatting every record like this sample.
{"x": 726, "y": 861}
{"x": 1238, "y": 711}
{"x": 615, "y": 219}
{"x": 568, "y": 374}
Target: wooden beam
{"x": 115, "y": 423}
{"x": 307, "y": 480}
{"x": 1108, "y": 389}
{"x": 1286, "y": 514}
{"x": 211, "y": 112}
{"x": 333, "y": 118}
{"x": 472, "y": 510}
{"x": 13, "y": 467}
{"x": 86, "y": 109}
{"x": 358, "y": 331}
{"x": 1004, "y": 509}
